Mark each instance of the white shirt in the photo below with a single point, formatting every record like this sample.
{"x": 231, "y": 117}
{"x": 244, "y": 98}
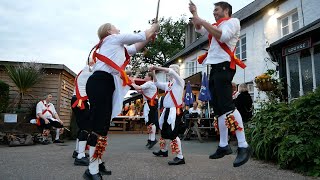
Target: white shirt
{"x": 82, "y": 81}
{"x": 42, "y": 106}
{"x": 113, "y": 48}
{"x": 230, "y": 36}
{"x": 176, "y": 88}
{"x": 197, "y": 110}
{"x": 149, "y": 89}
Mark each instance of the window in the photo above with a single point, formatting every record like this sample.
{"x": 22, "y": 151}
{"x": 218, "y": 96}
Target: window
{"x": 190, "y": 68}
{"x": 241, "y": 48}
{"x": 303, "y": 70}
{"x": 289, "y": 23}
{"x": 316, "y": 58}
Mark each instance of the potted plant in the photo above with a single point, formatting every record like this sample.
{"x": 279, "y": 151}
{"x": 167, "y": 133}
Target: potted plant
{"x": 266, "y": 81}
{"x": 24, "y": 76}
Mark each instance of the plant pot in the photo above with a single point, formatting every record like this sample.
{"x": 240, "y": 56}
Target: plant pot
{"x": 265, "y": 86}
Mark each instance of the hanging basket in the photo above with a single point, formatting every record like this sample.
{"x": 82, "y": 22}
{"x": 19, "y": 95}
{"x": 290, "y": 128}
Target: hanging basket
{"x": 265, "y": 86}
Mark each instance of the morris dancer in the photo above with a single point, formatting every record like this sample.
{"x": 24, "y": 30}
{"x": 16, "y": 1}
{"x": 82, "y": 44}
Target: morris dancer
{"x": 107, "y": 86}
{"x": 171, "y": 115}
{"x": 223, "y": 37}
{"x": 149, "y": 91}
{"x": 80, "y": 107}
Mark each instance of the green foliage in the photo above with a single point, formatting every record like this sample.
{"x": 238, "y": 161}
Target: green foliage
{"x": 169, "y": 41}
{"x": 4, "y": 96}
{"x": 288, "y": 134}
{"x": 24, "y": 77}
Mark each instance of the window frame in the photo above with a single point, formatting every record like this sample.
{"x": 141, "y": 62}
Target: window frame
{"x": 190, "y": 70}
{"x": 290, "y": 23}
{"x": 314, "y": 78}
{"x": 239, "y": 47}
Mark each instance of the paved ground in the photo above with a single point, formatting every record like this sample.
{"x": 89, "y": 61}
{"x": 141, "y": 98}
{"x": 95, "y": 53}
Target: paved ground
{"x": 128, "y": 159}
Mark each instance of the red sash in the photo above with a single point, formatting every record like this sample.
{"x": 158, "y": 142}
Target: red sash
{"x": 152, "y": 100}
{"x": 234, "y": 60}
{"x": 79, "y": 101}
{"x": 43, "y": 112}
{"x": 173, "y": 98}
{"x": 123, "y": 74}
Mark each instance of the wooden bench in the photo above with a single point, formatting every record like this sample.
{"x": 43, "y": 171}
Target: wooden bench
{"x": 123, "y": 126}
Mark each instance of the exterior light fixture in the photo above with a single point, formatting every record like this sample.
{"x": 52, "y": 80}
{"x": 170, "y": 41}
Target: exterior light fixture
{"x": 272, "y": 12}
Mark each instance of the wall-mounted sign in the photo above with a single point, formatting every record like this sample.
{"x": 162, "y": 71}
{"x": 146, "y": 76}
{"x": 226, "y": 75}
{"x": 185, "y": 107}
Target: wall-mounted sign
{"x": 10, "y": 118}
{"x": 296, "y": 47}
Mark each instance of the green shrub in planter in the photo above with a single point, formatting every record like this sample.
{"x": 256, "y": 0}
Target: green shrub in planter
{"x": 4, "y": 96}
{"x": 300, "y": 148}
{"x": 289, "y": 134}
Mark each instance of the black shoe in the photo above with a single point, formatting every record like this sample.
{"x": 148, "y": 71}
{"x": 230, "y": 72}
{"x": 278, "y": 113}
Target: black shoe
{"x": 45, "y": 142}
{"x": 148, "y": 143}
{"x": 74, "y": 154}
{"x": 103, "y": 170}
{"x": 242, "y": 156}
{"x": 88, "y": 176}
{"x": 58, "y": 141}
{"x": 81, "y": 162}
{"x": 176, "y": 161}
{"x": 221, "y": 152}
{"x": 152, "y": 143}
{"x": 160, "y": 153}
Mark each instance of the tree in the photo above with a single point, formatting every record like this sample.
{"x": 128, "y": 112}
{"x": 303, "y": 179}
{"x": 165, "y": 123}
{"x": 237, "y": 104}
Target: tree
{"x": 169, "y": 41}
{"x": 24, "y": 76}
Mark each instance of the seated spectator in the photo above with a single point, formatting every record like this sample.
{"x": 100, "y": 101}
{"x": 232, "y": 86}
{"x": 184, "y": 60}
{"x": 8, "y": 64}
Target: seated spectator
{"x": 125, "y": 109}
{"x": 47, "y": 117}
{"x": 132, "y": 111}
{"x": 195, "y": 110}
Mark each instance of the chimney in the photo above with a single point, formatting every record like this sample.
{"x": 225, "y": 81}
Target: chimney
{"x": 191, "y": 35}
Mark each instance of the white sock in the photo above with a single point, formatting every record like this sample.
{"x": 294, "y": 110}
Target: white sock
{"x": 94, "y": 164}
{"x": 149, "y": 136}
{"x": 165, "y": 147}
{"x": 179, "y": 155}
{"x": 77, "y": 146}
{"x": 99, "y": 161}
{"x": 57, "y": 133}
{"x": 223, "y": 130}
{"x": 240, "y": 134}
{"x": 153, "y": 134}
{"x": 82, "y": 149}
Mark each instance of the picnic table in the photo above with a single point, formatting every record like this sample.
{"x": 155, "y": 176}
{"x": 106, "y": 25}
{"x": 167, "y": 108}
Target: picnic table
{"x": 196, "y": 128}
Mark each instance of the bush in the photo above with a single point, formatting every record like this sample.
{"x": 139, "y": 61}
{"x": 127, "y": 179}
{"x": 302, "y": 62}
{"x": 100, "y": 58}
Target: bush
{"x": 288, "y": 134}
{"x": 4, "y": 96}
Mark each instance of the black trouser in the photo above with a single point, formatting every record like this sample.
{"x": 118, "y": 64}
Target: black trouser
{"x": 167, "y": 132}
{"x": 52, "y": 123}
{"x": 153, "y": 114}
{"x": 221, "y": 88}
{"x": 82, "y": 115}
{"x": 82, "y": 119}
{"x": 100, "y": 88}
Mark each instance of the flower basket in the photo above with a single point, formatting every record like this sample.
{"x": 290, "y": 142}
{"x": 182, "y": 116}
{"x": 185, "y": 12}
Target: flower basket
{"x": 265, "y": 86}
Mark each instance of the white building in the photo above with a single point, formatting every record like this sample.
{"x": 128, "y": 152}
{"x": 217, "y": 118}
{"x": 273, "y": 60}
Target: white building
{"x": 263, "y": 22}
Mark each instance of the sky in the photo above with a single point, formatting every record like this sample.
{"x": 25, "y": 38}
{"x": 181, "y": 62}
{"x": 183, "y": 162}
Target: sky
{"x": 64, "y": 31}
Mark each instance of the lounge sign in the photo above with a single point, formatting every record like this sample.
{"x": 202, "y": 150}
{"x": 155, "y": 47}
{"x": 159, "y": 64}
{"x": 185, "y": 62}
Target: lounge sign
{"x": 296, "y": 47}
